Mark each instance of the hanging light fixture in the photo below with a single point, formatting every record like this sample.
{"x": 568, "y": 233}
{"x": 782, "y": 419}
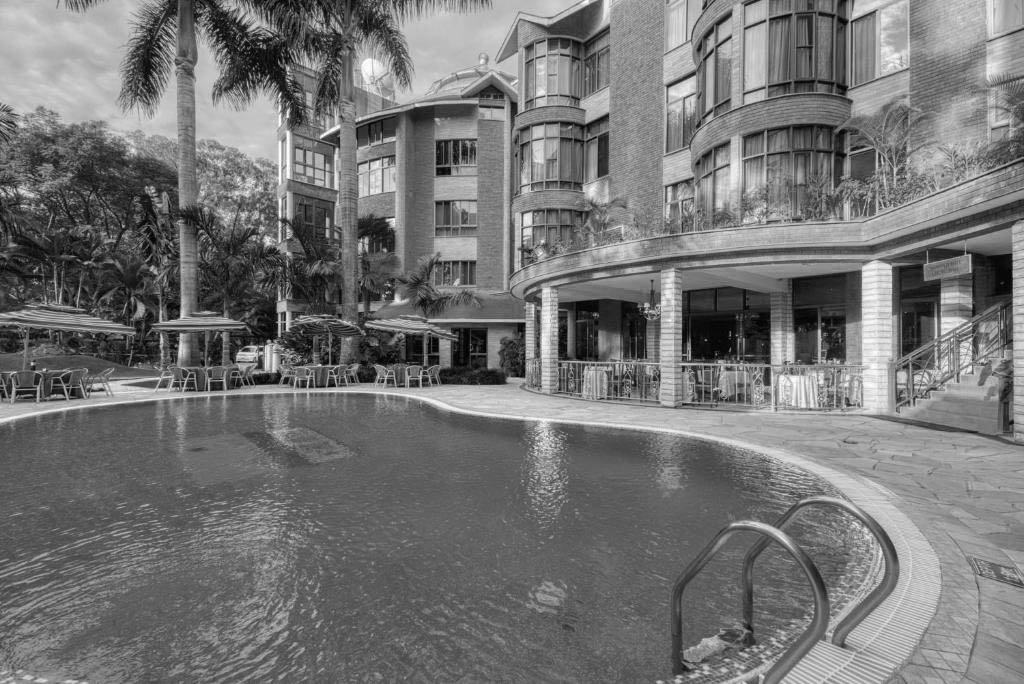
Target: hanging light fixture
{"x": 650, "y": 310}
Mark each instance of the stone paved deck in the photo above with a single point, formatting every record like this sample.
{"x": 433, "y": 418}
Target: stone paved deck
{"x": 965, "y": 492}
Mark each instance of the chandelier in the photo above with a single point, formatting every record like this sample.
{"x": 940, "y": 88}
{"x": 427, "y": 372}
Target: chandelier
{"x": 650, "y": 310}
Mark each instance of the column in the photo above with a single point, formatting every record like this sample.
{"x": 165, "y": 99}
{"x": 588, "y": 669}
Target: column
{"x": 549, "y": 340}
{"x": 671, "y": 337}
{"x": 1017, "y": 410}
{"x": 956, "y": 302}
{"x": 530, "y": 314}
{"x": 783, "y": 337}
{"x": 877, "y": 338}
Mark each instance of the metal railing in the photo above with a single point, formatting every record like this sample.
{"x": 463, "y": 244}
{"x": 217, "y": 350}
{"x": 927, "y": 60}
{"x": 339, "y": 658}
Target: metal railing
{"x": 861, "y": 610}
{"x": 533, "y": 367}
{"x": 638, "y": 381}
{"x": 952, "y": 354}
{"x": 803, "y": 644}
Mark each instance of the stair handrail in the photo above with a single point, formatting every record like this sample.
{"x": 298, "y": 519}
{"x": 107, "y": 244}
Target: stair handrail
{"x": 803, "y": 644}
{"x": 874, "y": 598}
{"x": 922, "y": 376}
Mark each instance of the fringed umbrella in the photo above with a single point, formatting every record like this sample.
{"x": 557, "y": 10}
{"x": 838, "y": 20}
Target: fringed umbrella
{"x": 56, "y": 317}
{"x": 202, "y": 321}
{"x": 324, "y": 323}
{"x": 412, "y": 325}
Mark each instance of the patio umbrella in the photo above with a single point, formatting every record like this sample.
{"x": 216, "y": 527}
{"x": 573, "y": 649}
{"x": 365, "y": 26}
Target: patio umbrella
{"x": 323, "y": 323}
{"x": 201, "y": 321}
{"x": 412, "y": 325}
{"x": 56, "y": 317}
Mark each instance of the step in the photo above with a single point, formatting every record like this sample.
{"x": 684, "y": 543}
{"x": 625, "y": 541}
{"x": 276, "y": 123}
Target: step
{"x": 986, "y": 425}
{"x": 958, "y": 405}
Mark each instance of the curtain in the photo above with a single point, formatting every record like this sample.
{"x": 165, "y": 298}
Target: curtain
{"x": 753, "y": 57}
{"x": 863, "y": 49}
{"x": 778, "y": 50}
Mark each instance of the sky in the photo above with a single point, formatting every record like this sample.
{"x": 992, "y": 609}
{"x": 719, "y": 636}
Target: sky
{"x": 69, "y": 63}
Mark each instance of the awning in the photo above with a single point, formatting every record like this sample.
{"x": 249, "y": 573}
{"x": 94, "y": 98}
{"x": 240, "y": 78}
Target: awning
{"x": 201, "y": 321}
{"x": 409, "y": 325}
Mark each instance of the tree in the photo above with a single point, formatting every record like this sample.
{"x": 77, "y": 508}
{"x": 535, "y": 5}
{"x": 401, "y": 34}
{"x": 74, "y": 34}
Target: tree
{"x": 417, "y": 286}
{"x": 314, "y": 273}
{"x": 235, "y": 259}
{"x": 130, "y": 289}
{"x": 252, "y": 44}
{"x": 348, "y": 26}
{"x": 8, "y": 122}
{"x": 599, "y": 216}
{"x": 377, "y": 267}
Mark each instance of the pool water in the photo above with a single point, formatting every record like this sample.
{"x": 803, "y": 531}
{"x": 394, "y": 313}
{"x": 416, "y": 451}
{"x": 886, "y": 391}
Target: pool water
{"x": 349, "y": 538}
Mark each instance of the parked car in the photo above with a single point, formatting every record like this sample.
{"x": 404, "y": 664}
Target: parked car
{"x": 251, "y": 354}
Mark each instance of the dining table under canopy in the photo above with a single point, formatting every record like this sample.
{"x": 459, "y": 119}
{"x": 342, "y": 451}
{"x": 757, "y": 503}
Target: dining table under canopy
{"x": 59, "y": 317}
{"x": 409, "y": 324}
{"x": 202, "y": 321}
{"x": 318, "y": 324}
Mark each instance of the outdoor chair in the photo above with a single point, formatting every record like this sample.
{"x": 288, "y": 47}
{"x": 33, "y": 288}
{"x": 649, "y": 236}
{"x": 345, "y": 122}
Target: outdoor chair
{"x": 77, "y": 384}
{"x": 183, "y": 377}
{"x": 5, "y": 393}
{"x": 336, "y": 375}
{"x": 217, "y": 375}
{"x": 165, "y": 374}
{"x": 242, "y": 377}
{"x": 26, "y": 383}
{"x": 61, "y": 383}
{"x": 434, "y": 375}
{"x": 236, "y": 376}
{"x": 304, "y": 377}
{"x": 287, "y": 375}
{"x": 416, "y": 374}
{"x": 103, "y": 380}
{"x": 383, "y": 375}
{"x": 352, "y": 373}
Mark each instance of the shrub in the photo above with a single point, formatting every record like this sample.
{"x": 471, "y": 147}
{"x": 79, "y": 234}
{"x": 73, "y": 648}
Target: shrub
{"x": 512, "y": 356}
{"x": 472, "y": 376}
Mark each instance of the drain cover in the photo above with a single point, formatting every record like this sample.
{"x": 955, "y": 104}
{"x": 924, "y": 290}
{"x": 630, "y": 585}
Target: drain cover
{"x": 998, "y": 572}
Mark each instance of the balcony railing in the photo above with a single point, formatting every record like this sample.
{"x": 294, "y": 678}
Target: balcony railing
{"x": 818, "y": 387}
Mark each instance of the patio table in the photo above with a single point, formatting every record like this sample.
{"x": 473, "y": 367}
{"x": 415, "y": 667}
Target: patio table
{"x": 798, "y": 391}
{"x": 399, "y": 369}
{"x": 595, "y": 383}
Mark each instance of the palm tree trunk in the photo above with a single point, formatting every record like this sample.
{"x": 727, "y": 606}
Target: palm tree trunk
{"x": 225, "y": 348}
{"x": 188, "y": 184}
{"x": 347, "y": 213}
{"x": 164, "y": 352}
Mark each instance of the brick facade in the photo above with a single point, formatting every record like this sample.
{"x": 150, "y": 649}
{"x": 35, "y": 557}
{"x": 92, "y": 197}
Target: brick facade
{"x": 549, "y": 340}
{"x": 878, "y": 343}
{"x": 783, "y": 338}
{"x": 671, "y": 351}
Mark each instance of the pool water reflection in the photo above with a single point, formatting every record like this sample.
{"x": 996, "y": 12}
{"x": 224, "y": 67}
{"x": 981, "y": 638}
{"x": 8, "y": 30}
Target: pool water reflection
{"x": 360, "y": 538}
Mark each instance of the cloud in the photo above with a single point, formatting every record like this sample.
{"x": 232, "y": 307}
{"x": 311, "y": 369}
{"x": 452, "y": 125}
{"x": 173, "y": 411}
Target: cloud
{"x": 69, "y": 62}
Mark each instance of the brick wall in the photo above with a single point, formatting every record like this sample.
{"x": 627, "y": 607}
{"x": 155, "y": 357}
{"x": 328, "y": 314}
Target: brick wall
{"x": 637, "y": 118}
{"x": 490, "y": 159}
{"x": 418, "y": 189}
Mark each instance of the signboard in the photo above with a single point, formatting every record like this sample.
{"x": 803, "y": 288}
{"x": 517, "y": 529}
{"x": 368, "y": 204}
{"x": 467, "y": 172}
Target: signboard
{"x": 997, "y": 571}
{"x": 948, "y": 268}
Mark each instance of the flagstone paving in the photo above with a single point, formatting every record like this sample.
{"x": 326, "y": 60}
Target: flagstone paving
{"x": 965, "y": 492}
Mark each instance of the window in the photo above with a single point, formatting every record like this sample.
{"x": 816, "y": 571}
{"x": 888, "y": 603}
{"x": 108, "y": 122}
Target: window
{"x": 376, "y": 176}
{"x": 550, "y": 226}
{"x": 675, "y": 24}
{"x": 552, "y": 73}
{"x": 714, "y": 71}
{"x": 454, "y": 273}
{"x": 596, "y": 67}
{"x": 713, "y": 187}
{"x": 1007, "y": 15}
{"x": 681, "y": 114}
{"x": 379, "y": 242}
{"x": 786, "y": 172}
{"x": 455, "y": 158}
{"x": 678, "y": 201}
{"x": 376, "y": 133}
{"x": 880, "y": 43}
{"x": 551, "y": 156}
{"x": 313, "y": 168}
{"x": 471, "y": 347}
{"x": 320, "y": 121}
{"x": 316, "y": 215}
{"x": 596, "y": 150}
{"x": 793, "y": 49}
{"x": 455, "y": 217}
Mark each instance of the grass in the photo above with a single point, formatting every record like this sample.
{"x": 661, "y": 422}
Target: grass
{"x": 13, "y": 362}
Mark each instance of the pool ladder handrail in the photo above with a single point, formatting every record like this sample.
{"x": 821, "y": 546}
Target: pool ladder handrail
{"x": 890, "y": 575}
{"x": 804, "y": 643}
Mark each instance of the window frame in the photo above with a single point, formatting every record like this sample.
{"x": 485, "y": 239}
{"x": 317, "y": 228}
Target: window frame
{"x": 541, "y": 52}
{"x": 466, "y": 273}
{"x": 715, "y": 55}
{"x": 449, "y": 154}
{"x": 993, "y": 5}
{"x": 447, "y": 226}
{"x": 319, "y": 164}
{"x": 535, "y": 159}
{"x": 679, "y": 202}
{"x": 878, "y": 70}
{"x": 687, "y": 122}
{"x": 596, "y": 142}
{"x": 383, "y": 169}
{"x": 597, "y": 63}
{"x": 377, "y": 132}
{"x": 676, "y": 23}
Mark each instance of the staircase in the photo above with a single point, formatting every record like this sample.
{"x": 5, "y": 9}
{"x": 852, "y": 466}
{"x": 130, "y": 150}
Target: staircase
{"x": 973, "y": 403}
{"x": 964, "y": 378}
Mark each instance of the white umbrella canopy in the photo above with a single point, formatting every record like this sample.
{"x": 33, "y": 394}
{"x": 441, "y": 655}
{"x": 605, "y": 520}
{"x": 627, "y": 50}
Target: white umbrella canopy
{"x": 202, "y": 321}
{"x": 57, "y": 317}
{"x": 324, "y": 323}
{"x": 410, "y": 325}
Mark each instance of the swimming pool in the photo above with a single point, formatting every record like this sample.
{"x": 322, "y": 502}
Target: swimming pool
{"x": 359, "y": 538}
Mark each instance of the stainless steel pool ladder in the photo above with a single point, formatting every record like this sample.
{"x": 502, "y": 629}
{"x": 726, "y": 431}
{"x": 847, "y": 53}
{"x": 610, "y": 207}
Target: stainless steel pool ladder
{"x": 819, "y": 623}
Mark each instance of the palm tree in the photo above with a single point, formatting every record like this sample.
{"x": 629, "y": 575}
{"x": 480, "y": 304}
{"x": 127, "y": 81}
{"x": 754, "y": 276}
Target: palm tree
{"x": 377, "y": 267}
{"x": 252, "y": 42}
{"x": 599, "y": 216}
{"x": 1008, "y": 90}
{"x": 418, "y": 288}
{"x": 313, "y": 274}
{"x": 235, "y": 259}
{"x": 349, "y": 26}
{"x": 129, "y": 285}
{"x": 8, "y": 122}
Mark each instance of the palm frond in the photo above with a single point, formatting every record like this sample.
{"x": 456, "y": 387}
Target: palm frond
{"x": 8, "y": 122}
{"x": 79, "y": 5}
{"x": 149, "y": 61}
{"x": 382, "y": 36}
{"x": 414, "y": 9}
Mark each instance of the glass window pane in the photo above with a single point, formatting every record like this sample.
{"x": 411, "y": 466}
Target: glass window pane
{"x": 892, "y": 51}
{"x": 824, "y": 48}
{"x": 778, "y": 50}
{"x": 863, "y": 49}
{"x": 778, "y": 140}
{"x": 755, "y": 12}
{"x": 754, "y": 57}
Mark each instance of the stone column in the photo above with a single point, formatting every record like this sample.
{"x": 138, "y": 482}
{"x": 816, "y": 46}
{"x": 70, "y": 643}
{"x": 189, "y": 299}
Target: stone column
{"x": 878, "y": 341}
{"x": 956, "y": 302}
{"x": 783, "y": 337}
{"x": 549, "y": 340}
{"x": 671, "y": 337}
{"x": 1017, "y": 410}
{"x": 530, "y": 315}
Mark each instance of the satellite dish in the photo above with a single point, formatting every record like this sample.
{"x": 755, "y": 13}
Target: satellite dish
{"x": 373, "y": 71}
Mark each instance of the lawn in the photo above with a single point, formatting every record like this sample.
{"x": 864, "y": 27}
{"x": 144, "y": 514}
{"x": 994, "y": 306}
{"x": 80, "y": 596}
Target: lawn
{"x": 13, "y": 361}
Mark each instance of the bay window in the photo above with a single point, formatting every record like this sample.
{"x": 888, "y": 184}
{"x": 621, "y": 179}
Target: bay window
{"x": 714, "y": 72}
{"x": 881, "y": 43}
{"x": 550, "y": 226}
{"x": 552, "y": 74}
{"x": 551, "y": 156}
{"x": 713, "y": 186}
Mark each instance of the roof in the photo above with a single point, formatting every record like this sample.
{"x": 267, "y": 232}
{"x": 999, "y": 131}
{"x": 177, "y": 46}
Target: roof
{"x": 510, "y": 45}
{"x": 496, "y": 307}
